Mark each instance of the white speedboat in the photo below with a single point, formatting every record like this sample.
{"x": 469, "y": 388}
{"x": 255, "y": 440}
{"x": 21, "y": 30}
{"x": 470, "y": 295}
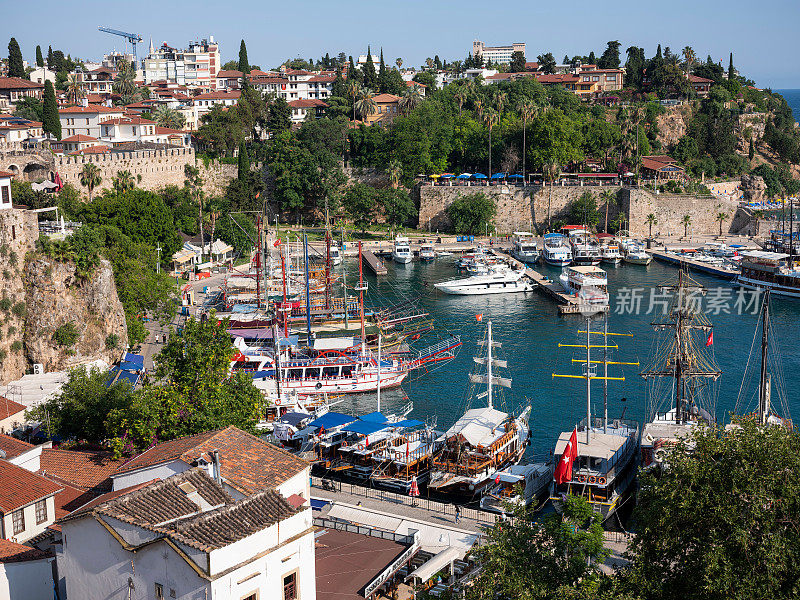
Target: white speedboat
{"x": 401, "y": 253}
{"x": 556, "y": 250}
{"x": 610, "y": 254}
{"x": 636, "y": 255}
{"x": 533, "y": 480}
{"x": 499, "y": 280}
{"x": 586, "y": 281}
{"x": 585, "y": 249}
{"x": 426, "y": 251}
{"x": 525, "y": 248}
{"x": 336, "y": 255}
{"x": 719, "y": 249}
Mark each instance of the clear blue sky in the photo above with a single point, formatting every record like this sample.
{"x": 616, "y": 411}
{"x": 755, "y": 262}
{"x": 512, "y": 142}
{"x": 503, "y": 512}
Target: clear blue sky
{"x": 762, "y": 35}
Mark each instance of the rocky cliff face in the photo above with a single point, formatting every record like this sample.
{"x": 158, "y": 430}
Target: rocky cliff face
{"x": 55, "y": 298}
{"x": 753, "y": 188}
{"x": 672, "y": 124}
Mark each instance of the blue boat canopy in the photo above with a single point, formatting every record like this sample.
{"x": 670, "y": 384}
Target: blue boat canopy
{"x": 293, "y": 418}
{"x": 499, "y": 176}
{"x": 331, "y": 419}
{"x": 366, "y": 427}
{"x": 373, "y": 417}
{"x": 407, "y": 423}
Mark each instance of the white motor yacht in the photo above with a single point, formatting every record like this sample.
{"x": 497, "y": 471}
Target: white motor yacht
{"x": 586, "y": 281}
{"x": 426, "y": 251}
{"x": 336, "y": 255}
{"x": 401, "y": 253}
{"x": 636, "y": 255}
{"x": 534, "y": 481}
{"x": 499, "y": 280}
{"x": 610, "y": 254}
{"x": 525, "y": 248}
{"x": 556, "y": 250}
{"x": 585, "y": 249}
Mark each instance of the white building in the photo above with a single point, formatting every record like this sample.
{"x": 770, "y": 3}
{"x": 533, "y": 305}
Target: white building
{"x": 136, "y": 129}
{"x": 5, "y": 190}
{"x": 27, "y": 502}
{"x": 294, "y": 84}
{"x": 195, "y": 66}
{"x": 301, "y": 109}
{"x": 86, "y": 119}
{"x": 496, "y": 54}
{"x": 186, "y": 538}
{"x": 42, "y": 74}
{"x": 25, "y": 573}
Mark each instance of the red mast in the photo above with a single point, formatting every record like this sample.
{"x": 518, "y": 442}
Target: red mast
{"x": 257, "y": 260}
{"x": 284, "y": 308}
{"x": 361, "y": 293}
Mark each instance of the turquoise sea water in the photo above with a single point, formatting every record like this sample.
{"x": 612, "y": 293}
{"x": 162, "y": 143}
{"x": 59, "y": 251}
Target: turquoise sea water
{"x": 530, "y": 329}
{"x": 793, "y": 100}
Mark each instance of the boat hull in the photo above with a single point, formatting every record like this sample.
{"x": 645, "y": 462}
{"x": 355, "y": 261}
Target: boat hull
{"x": 366, "y": 383}
{"x": 638, "y": 261}
{"x": 483, "y": 289}
{"x": 780, "y": 290}
{"x": 557, "y": 261}
{"x": 403, "y": 259}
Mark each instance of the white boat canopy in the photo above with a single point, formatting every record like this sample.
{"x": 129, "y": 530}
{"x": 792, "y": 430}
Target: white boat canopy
{"x": 427, "y": 570}
{"x": 478, "y": 425}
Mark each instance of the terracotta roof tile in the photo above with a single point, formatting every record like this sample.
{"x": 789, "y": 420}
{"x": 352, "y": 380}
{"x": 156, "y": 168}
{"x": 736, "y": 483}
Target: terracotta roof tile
{"x": 15, "y": 83}
{"x": 80, "y": 138}
{"x": 83, "y": 470}
{"x": 386, "y": 98}
{"x": 100, "y": 149}
{"x": 232, "y": 95}
{"x": 6, "y": 174}
{"x": 94, "y": 109}
{"x": 307, "y": 103}
{"x": 19, "y": 487}
{"x": 9, "y": 407}
{"x": 13, "y": 552}
{"x": 228, "y": 74}
{"x": 12, "y": 446}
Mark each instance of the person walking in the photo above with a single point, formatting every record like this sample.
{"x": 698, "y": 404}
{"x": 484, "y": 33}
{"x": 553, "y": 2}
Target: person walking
{"x": 458, "y": 513}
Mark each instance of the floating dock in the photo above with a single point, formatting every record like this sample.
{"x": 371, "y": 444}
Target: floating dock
{"x": 694, "y": 265}
{"x": 373, "y": 263}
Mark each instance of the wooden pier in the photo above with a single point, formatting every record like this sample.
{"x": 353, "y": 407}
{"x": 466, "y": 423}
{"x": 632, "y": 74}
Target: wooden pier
{"x": 694, "y": 265}
{"x": 374, "y": 263}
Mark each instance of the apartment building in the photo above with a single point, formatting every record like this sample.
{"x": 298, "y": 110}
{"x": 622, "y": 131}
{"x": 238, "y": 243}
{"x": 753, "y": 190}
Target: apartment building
{"x": 293, "y": 84}
{"x": 195, "y": 66}
{"x": 496, "y": 54}
{"x": 13, "y": 89}
{"x": 86, "y": 119}
{"x": 304, "y": 107}
{"x": 97, "y": 81}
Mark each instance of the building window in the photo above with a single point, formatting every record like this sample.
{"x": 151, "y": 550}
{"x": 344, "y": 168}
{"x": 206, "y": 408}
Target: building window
{"x": 6, "y": 198}
{"x": 253, "y": 596}
{"x": 41, "y": 512}
{"x": 290, "y": 587}
{"x": 159, "y": 592}
{"x": 18, "y": 521}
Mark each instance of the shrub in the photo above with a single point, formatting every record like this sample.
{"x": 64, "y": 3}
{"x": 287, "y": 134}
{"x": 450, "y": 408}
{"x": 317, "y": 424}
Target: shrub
{"x": 6, "y": 274}
{"x": 66, "y": 335}
{"x": 11, "y": 330}
{"x": 5, "y": 304}
{"x": 16, "y": 346}
{"x": 472, "y": 213}
{"x": 19, "y": 309}
{"x": 112, "y": 341}
{"x": 12, "y": 258}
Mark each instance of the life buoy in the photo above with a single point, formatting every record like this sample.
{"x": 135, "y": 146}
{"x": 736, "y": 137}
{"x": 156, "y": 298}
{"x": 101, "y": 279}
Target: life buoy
{"x": 601, "y": 480}
{"x": 318, "y": 386}
{"x": 592, "y": 479}
{"x": 581, "y": 478}
{"x": 278, "y": 401}
{"x": 649, "y": 438}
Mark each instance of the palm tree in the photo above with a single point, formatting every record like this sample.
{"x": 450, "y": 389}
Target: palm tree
{"x": 90, "y": 177}
{"x": 721, "y": 216}
{"x": 125, "y": 81}
{"x": 527, "y": 109}
{"x": 758, "y": 215}
{"x": 501, "y": 98}
{"x": 689, "y": 58}
{"x": 169, "y": 117}
{"x": 399, "y": 62}
{"x": 479, "y": 108}
{"x": 550, "y": 170}
{"x": 410, "y": 100}
{"x": 74, "y": 90}
{"x": 490, "y": 118}
{"x": 365, "y": 105}
{"x": 686, "y": 221}
{"x": 214, "y": 207}
{"x": 429, "y": 63}
{"x": 123, "y": 181}
{"x": 651, "y": 220}
{"x": 460, "y": 97}
{"x": 354, "y": 92}
{"x": 607, "y": 196}
{"x": 395, "y": 172}
{"x": 194, "y": 183}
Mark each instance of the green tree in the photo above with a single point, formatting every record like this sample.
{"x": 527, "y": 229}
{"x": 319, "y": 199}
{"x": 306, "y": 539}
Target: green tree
{"x": 73, "y": 88}
{"x": 383, "y": 81}
{"x": 427, "y": 79}
{"x": 359, "y": 202}
{"x": 29, "y": 108}
{"x": 49, "y": 57}
{"x": 15, "y": 63}
{"x": 370, "y": 76}
{"x": 244, "y": 162}
{"x": 244, "y": 65}
{"x": 365, "y": 105}
{"x": 731, "y": 70}
{"x": 490, "y": 119}
{"x": 280, "y": 116}
{"x": 123, "y": 181}
{"x": 409, "y": 100}
{"x": 397, "y": 206}
{"x": 395, "y": 172}
{"x": 473, "y": 213}
{"x": 80, "y": 409}
{"x": 751, "y": 151}
{"x": 90, "y": 177}
{"x": 720, "y": 218}
{"x": 686, "y": 221}
{"x": 583, "y": 211}
{"x": 547, "y": 64}
{"x": 536, "y": 558}
{"x": 517, "y": 62}
{"x": 651, "y": 220}
{"x": 39, "y": 57}
{"x": 166, "y": 116}
{"x": 51, "y": 123}
{"x": 610, "y": 57}
{"x": 125, "y": 82}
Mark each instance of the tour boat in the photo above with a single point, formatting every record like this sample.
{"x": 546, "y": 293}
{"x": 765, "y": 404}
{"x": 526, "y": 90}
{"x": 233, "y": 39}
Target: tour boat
{"x": 426, "y": 251}
{"x": 763, "y": 270}
{"x": 588, "y": 282}
{"x": 636, "y": 255}
{"x": 585, "y": 249}
{"x": 610, "y": 254}
{"x": 719, "y": 249}
{"x": 534, "y": 481}
{"x": 603, "y": 469}
{"x": 484, "y": 440}
{"x": 498, "y": 280}
{"x": 336, "y": 255}
{"x": 525, "y": 248}
{"x": 401, "y": 253}
{"x": 556, "y": 250}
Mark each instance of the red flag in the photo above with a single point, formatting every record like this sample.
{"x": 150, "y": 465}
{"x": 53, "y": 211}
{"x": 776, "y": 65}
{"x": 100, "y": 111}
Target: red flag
{"x": 257, "y": 195}
{"x": 406, "y": 450}
{"x": 564, "y": 468}
{"x": 497, "y": 479}
{"x": 710, "y": 340}
{"x": 277, "y": 242}
{"x": 479, "y": 317}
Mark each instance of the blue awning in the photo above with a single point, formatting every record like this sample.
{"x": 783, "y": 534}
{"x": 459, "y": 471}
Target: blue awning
{"x": 132, "y": 362}
{"x": 294, "y": 418}
{"x": 464, "y": 176}
{"x": 116, "y": 375}
{"x": 479, "y": 176}
{"x": 366, "y": 427}
{"x": 373, "y": 417}
{"x": 332, "y": 419}
{"x": 407, "y": 423}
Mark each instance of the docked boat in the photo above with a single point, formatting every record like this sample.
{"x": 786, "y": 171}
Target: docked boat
{"x": 533, "y": 481}
{"x": 773, "y": 271}
{"x": 681, "y": 375}
{"x": 401, "y": 252}
{"x": 585, "y": 249}
{"x": 525, "y": 248}
{"x": 588, "y": 282}
{"x": 498, "y": 280}
{"x": 719, "y": 249}
{"x": 556, "y": 250}
{"x": 636, "y": 255}
{"x": 484, "y": 440}
{"x": 426, "y": 251}
{"x": 610, "y": 252}
{"x": 599, "y": 456}
{"x": 336, "y": 255}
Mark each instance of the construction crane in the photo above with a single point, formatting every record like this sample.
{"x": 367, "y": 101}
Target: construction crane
{"x": 133, "y": 38}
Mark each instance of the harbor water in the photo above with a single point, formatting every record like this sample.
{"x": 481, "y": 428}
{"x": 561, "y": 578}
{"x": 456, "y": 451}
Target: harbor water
{"x": 530, "y": 329}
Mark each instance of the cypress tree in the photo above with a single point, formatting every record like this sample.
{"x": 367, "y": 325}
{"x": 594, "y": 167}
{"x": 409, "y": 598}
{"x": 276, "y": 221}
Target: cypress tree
{"x": 15, "y": 67}
{"x": 354, "y": 73}
{"x": 752, "y": 151}
{"x": 244, "y": 163}
{"x": 50, "y": 121}
{"x": 39, "y": 57}
{"x": 382, "y": 81}
{"x": 370, "y": 76}
{"x": 658, "y": 52}
{"x": 731, "y": 70}
{"x": 49, "y": 57}
{"x": 244, "y": 65}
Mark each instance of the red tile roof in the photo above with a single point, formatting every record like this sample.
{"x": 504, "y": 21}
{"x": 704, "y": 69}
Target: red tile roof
{"x": 322, "y": 79}
{"x": 386, "y": 98}
{"x": 165, "y": 130}
{"x": 8, "y": 407}
{"x": 698, "y": 79}
{"x": 80, "y": 138}
{"x": 532, "y": 66}
{"x": 12, "y": 446}
{"x": 6, "y": 174}
{"x": 15, "y": 83}
{"x": 228, "y": 74}
{"x": 248, "y": 463}
{"x": 548, "y": 78}
{"x": 99, "y": 108}
{"x": 415, "y": 84}
{"x": 232, "y": 95}
{"x": 12, "y": 552}
{"x": 128, "y": 121}
{"x": 19, "y": 487}
{"x": 270, "y": 79}
{"x": 83, "y": 470}
{"x": 100, "y": 149}
{"x": 307, "y": 103}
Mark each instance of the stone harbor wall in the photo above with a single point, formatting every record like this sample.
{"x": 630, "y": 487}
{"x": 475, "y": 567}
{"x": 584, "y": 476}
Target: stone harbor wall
{"x": 527, "y": 208}
{"x": 152, "y": 169}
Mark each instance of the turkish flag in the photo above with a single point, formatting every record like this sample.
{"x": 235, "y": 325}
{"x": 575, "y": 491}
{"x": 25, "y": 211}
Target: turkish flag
{"x": 710, "y": 340}
{"x": 497, "y": 479}
{"x": 277, "y": 242}
{"x": 479, "y": 317}
{"x": 564, "y": 468}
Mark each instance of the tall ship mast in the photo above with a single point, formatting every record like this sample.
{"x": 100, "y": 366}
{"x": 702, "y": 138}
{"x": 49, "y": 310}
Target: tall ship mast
{"x": 681, "y": 375}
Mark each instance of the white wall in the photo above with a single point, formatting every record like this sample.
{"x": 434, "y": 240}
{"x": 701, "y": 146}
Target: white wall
{"x": 161, "y": 471}
{"x": 29, "y": 580}
{"x": 300, "y": 484}
{"x": 30, "y": 460}
{"x": 31, "y": 528}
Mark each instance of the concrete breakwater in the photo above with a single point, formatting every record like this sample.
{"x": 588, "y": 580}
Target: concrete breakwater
{"x": 530, "y": 207}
